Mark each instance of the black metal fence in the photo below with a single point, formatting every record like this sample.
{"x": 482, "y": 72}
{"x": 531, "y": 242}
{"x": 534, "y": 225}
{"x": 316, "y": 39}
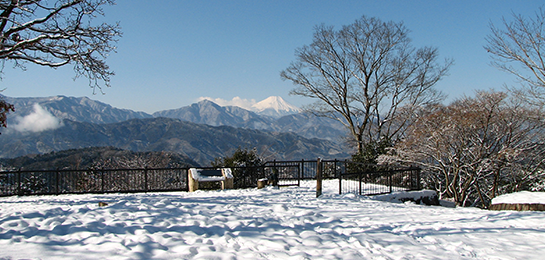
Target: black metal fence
{"x": 92, "y": 181}
{"x": 380, "y": 181}
{"x": 352, "y": 178}
{"x": 287, "y": 173}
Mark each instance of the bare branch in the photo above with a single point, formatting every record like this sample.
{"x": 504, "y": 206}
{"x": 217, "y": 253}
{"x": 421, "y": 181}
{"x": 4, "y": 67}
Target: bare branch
{"x": 477, "y": 148}
{"x": 363, "y": 74}
{"x": 519, "y": 49}
{"x": 57, "y": 33}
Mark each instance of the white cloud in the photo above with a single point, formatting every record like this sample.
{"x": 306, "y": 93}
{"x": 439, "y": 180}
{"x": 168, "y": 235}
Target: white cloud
{"x": 39, "y": 120}
{"x": 236, "y": 101}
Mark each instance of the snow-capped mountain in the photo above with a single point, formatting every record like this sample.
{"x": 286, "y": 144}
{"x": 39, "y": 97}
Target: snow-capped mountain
{"x": 202, "y": 131}
{"x": 51, "y": 111}
{"x": 275, "y": 106}
{"x": 304, "y": 124}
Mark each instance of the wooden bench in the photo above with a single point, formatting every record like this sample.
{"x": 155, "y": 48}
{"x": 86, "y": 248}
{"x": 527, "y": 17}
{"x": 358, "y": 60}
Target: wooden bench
{"x": 223, "y": 175}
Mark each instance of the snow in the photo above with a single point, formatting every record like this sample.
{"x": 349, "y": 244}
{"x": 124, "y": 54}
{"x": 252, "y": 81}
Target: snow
{"x": 275, "y": 103}
{"x": 522, "y": 197}
{"x": 271, "y": 223}
{"x": 227, "y": 173}
{"x": 398, "y": 197}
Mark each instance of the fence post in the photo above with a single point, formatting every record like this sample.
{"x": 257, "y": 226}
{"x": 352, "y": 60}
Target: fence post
{"x": 418, "y": 178}
{"x": 146, "y": 178}
{"x": 57, "y": 174}
{"x": 318, "y": 178}
{"x": 187, "y": 179}
{"x": 276, "y": 175}
{"x": 390, "y": 174}
{"x": 302, "y": 173}
{"x": 19, "y": 182}
{"x": 101, "y": 181}
{"x": 360, "y": 177}
{"x": 340, "y": 178}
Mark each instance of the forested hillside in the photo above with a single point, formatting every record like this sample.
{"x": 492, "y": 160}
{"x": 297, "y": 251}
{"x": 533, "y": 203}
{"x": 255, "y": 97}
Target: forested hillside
{"x": 97, "y": 157}
{"x": 201, "y": 143}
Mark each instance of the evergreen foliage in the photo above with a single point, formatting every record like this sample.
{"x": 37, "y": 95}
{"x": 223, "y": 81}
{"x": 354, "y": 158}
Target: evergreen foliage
{"x": 240, "y": 158}
{"x": 245, "y": 164}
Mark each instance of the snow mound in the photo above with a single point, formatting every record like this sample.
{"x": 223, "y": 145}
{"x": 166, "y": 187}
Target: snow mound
{"x": 522, "y": 197}
{"x": 426, "y": 197}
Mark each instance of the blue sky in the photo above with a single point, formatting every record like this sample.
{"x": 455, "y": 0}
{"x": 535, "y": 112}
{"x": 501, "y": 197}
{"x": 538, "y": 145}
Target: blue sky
{"x": 174, "y": 52}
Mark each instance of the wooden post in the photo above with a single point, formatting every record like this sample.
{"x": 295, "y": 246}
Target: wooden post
{"x": 340, "y": 177}
{"x": 261, "y": 183}
{"x": 227, "y": 183}
{"x": 193, "y": 184}
{"x": 318, "y": 178}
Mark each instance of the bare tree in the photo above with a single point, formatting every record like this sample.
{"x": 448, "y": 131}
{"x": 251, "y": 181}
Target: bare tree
{"x": 5, "y": 108}
{"x": 519, "y": 48}
{"x": 138, "y": 160}
{"x": 363, "y": 75}
{"x": 477, "y": 148}
{"x": 58, "y": 33}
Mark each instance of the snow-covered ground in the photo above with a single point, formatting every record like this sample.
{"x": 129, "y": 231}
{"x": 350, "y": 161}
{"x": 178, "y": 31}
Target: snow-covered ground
{"x": 285, "y": 223}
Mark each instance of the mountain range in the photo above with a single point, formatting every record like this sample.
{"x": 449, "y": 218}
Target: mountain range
{"x": 201, "y": 131}
{"x": 83, "y": 109}
{"x": 202, "y": 143}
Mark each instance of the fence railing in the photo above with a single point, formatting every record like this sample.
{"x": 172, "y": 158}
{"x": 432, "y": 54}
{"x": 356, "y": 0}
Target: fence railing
{"x": 47, "y": 182}
{"x": 352, "y": 178}
{"x": 380, "y": 181}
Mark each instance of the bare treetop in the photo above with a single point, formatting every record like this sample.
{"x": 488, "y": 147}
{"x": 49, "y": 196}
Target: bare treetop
{"x": 366, "y": 75}
{"x": 519, "y": 48}
{"x": 58, "y": 33}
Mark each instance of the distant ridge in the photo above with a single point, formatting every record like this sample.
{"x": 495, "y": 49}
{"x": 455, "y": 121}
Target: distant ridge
{"x": 81, "y": 109}
{"x": 84, "y": 109}
{"x": 304, "y": 124}
{"x": 199, "y": 142}
{"x": 210, "y": 113}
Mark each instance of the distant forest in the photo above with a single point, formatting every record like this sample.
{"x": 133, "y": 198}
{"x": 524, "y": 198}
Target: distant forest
{"x": 97, "y": 158}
